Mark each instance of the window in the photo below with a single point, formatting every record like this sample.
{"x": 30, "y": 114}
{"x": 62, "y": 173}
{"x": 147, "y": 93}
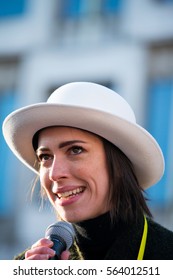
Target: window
{"x": 160, "y": 126}
{"x": 77, "y": 8}
{"x": 69, "y": 8}
{"x": 110, "y": 6}
{"x": 85, "y": 21}
{"x": 6, "y": 161}
{"x": 8, "y": 78}
{"x": 160, "y": 115}
{"x": 12, "y": 8}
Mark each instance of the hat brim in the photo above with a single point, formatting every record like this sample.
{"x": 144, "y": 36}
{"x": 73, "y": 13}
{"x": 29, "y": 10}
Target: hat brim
{"x": 136, "y": 143}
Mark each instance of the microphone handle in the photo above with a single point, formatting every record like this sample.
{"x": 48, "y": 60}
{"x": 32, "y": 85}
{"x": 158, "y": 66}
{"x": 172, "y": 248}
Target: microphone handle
{"x": 59, "y": 246}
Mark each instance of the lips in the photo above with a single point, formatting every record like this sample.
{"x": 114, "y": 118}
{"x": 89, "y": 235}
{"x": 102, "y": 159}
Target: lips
{"x": 69, "y": 194}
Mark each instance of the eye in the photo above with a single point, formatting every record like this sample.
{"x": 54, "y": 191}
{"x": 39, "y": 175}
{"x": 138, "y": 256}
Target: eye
{"x": 44, "y": 157}
{"x": 75, "y": 150}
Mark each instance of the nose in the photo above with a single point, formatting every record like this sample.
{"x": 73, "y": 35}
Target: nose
{"x": 59, "y": 169}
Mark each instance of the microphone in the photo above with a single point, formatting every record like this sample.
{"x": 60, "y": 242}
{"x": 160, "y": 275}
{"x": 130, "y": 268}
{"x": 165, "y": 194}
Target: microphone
{"x": 62, "y": 234}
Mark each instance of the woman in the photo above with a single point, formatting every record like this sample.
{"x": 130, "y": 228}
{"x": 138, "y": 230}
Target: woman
{"x": 94, "y": 162}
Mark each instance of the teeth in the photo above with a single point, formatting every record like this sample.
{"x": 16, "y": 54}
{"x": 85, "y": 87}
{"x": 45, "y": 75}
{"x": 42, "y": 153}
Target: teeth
{"x": 70, "y": 193}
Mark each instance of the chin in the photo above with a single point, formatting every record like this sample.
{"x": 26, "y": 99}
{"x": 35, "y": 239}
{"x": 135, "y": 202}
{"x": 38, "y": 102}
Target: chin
{"x": 70, "y": 218}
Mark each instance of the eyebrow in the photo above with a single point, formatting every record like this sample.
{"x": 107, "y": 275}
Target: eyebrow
{"x": 61, "y": 145}
{"x": 68, "y": 143}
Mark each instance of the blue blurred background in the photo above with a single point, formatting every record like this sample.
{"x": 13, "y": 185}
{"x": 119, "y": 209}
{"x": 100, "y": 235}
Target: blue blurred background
{"x": 126, "y": 45}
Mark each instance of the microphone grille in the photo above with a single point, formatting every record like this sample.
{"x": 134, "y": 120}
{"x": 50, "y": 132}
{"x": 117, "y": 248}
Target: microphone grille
{"x": 64, "y": 230}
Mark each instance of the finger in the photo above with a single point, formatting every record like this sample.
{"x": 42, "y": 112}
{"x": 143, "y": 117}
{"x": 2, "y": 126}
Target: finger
{"x": 65, "y": 255}
{"x": 38, "y": 257}
{"x": 40, "y": 251}
{"x": 43, "y": 242}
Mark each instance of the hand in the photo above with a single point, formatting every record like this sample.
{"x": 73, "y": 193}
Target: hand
{"x": 41, "y": 250}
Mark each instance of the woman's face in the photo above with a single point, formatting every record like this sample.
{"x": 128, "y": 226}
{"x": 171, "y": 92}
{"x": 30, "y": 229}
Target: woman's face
{"x": 73, "y": 172}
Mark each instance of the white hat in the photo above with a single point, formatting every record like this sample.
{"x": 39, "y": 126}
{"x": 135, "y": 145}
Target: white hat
{"x": 94, "y": 108}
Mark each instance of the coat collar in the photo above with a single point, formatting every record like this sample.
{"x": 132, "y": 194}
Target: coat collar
{"x": 98, "y": 239}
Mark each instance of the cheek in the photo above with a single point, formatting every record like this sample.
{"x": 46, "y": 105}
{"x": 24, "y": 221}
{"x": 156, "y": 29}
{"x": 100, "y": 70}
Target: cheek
{"x": 99, "y": 169}
{"x": 102, "y": 178}
{"x": 44, "y": 180}
{"x": 96, "y": 171}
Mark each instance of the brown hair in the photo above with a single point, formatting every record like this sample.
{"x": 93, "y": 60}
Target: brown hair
{"x": 127, "y": 202}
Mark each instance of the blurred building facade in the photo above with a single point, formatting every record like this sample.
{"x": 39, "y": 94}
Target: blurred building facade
{"x": 126, "y": 45}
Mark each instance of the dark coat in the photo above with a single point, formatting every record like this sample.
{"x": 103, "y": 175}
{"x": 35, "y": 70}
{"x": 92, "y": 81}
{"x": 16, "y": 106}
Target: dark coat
{"x": 159, "y": 245}
{"x": 126, "y": 242}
